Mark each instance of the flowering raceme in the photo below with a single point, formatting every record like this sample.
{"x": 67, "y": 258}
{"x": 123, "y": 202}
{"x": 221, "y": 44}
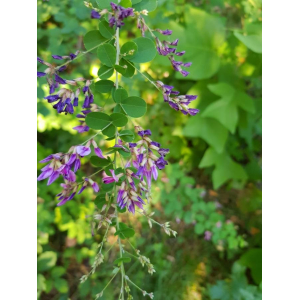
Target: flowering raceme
{"x": 125, "y": 173}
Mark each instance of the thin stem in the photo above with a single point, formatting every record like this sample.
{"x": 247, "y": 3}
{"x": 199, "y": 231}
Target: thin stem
{"x": 145, "y": 76}
{"x": 115, "y": 159}
{"x": 127, "y": 278}
{"x": 109, "y": 282}
{"x": 91, "y": 137}
{"x": 161, "y": 225}
{"x": 82, "y": 54}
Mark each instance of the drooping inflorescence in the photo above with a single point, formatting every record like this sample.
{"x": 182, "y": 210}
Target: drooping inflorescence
{"x": 126, "y": 171}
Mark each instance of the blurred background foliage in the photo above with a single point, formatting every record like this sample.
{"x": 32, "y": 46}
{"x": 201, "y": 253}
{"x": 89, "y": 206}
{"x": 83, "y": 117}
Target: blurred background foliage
{"x": 212, "y": 187}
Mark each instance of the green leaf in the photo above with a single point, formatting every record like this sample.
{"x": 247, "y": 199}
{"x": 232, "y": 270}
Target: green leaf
{"x": 93, "y": 39}
{"x": 107, "y": 54}
{"x": 46, "y": 261}
{"x": 125, "y": 3}
{"x": 121, "y": 260}
{"x": 105, "y": 72}
{"x": 146, "y": 50}
{"x": 225, "y": 112}
{"x": 109, "y": 131}
{"x": 98, "y": 120}
{"x": 118, "y": 109}
{"x": 41, "y": 283}
{"x": 125, "y": 68}
{"x": 202, "y": 38}
{"x": 225, "y": 167}
{"x": 208, "y": 129}
{"x": 129, "y": 71}
{"x": 100, "y": 201}
{"x": 253, "y": 42}
{"x": 149, "y": 5}
{"x": 108, "y": 187}
{"x": 119, "y": 95}
{"x": 211, "y": 158}
{"x": 128, "y": 48}
{"x": 244, "y": 101}
{"x": 58, "y": 271}
{"x": 222, "y": 89}
{"x": 118, "y": 119}
{"x": 100, "y": 162}
{"x": 104, "y": 86}
{"x": 124, "y": 232}
{"x": 199, "y": 228}
{"x": 134, "y": 107}
{"x": 226, "y": 170}
{"x": 61, "y": 285}
{"x": 121, "y": 210}
{"x": 105, "y": 3}
{"x": 126, "y": 135}
{"x": 105, "y": 30}
{"x": 253, "y": 260}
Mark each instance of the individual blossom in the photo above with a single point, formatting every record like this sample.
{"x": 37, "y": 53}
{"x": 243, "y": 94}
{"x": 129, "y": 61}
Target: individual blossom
{"x": 95, "y": 14}
{"x": 207, "y": 235}
{"x": 113, "y": 178}
{"x": 176, "y": 101}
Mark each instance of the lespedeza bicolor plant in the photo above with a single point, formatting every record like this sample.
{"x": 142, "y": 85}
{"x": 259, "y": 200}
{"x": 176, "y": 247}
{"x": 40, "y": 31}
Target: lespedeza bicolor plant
{"x": 128, "y": 168}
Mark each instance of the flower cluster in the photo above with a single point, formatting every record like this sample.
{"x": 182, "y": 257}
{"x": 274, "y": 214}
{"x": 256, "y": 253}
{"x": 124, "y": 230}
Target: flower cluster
{"x": 66, "y": 165}
{"x": 116, "y": 17}
{"x": 139, "y": 171}
{"x": 166, "y": 48}
{"x": 65, "y": 99}
{"x": 119, "y": 14}
{"x": 176, "y": 101}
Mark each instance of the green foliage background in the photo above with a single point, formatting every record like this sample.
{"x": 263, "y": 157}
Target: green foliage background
{"x": 214, "y": 180}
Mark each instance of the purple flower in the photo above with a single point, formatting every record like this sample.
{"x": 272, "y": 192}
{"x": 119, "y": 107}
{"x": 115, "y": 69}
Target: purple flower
{"x": 119, "y": 14}
{"x": 98, "y": 152}
{"x": 110, "y": 179}
{"x": 207, "y": 235}
{"x": 41, "y": 74}
{"x": 40, "y": 60}
{"x": 53, "y": 177}
{"x": 62, "y": 68}
{"x": 165, "y": 32}
{"x": 45, "y": 174}
{"x": 83, "y": 151}
{"x": 82, "y": 189}
{"x": 81, "y": 128}
{"x": 72, "y": 56}
{"x": 58, "y": 57}
{"x": 95, "y": 187}
{"x": 95, "y": 14}
{"x": 59, "y": 79}
{"x": 163, "y": 151}
{"x": 142, "y": 133}
{"x": 184, "y": 73}
{"x": 161, "y": 163}
{"x": 193, "y": 111}
{"x": 180, "y": 53}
